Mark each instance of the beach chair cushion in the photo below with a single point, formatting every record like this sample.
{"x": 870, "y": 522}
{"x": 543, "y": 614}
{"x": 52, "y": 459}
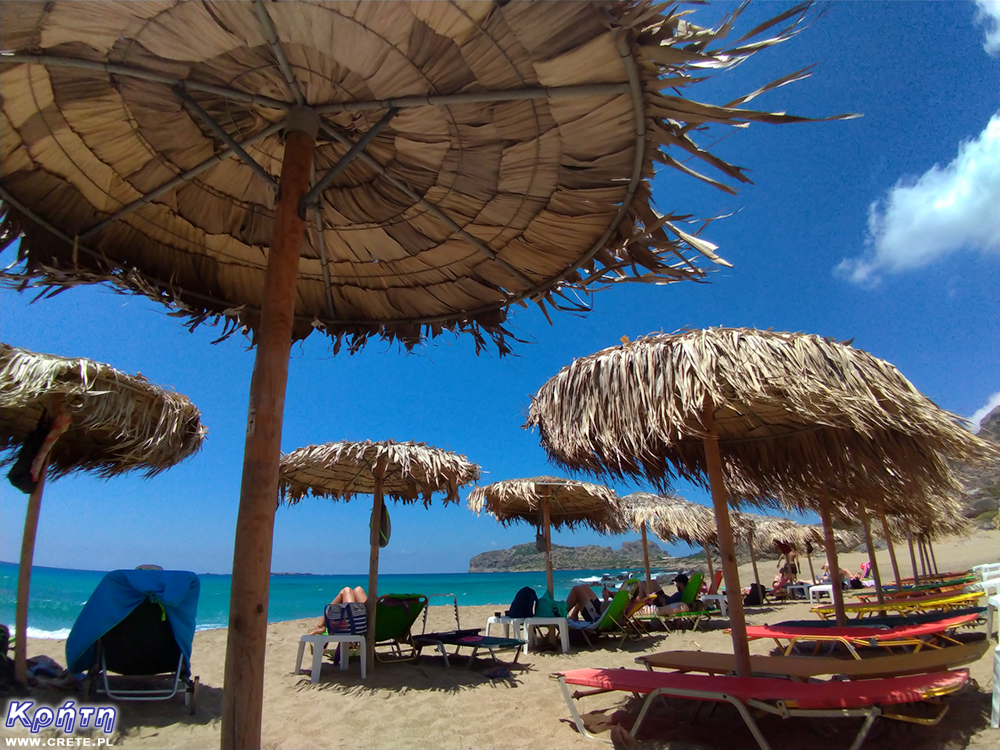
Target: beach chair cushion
{"x": 833, "y": 694}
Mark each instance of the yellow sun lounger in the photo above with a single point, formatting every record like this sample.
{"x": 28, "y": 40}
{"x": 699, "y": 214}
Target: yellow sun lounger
{"x": 932, "y": 603}
{"x": 805, "y": 667}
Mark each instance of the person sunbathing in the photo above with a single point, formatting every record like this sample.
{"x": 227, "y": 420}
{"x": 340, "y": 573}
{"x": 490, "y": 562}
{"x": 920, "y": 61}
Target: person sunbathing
{"x": 346, "y": 596}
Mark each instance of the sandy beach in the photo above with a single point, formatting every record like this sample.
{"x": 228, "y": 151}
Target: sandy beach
{"x": 424, "y": 705}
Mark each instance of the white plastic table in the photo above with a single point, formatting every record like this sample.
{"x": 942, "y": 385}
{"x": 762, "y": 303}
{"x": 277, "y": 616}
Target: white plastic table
{"x": 506, "y": 622}
{"x": 524, "y": 628}
{"x": 801, "y": 588}
{"x": 719, "y": 599}
{"x": 319, "y": 643}
{"x": 995, "y": 714}
{"x": 991, "y": 609}
{"x": 820, "y": 588}
{"x": 536, "y": 622}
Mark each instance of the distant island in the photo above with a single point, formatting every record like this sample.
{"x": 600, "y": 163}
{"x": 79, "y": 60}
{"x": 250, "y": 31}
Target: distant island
{"x": 525, "y": 557}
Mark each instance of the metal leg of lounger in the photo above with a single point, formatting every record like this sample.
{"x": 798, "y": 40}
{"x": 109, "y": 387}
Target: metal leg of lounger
{"x": 740, "y": 706}
{"x": 577, "y": 719}
{"x": 863, "y": 732}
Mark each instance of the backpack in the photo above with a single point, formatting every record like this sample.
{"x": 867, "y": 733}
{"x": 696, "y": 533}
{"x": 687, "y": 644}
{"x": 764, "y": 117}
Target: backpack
{"x": 523, "y": 604}
{"x": 547, "y": 606}
{"x": 755, "y": 597}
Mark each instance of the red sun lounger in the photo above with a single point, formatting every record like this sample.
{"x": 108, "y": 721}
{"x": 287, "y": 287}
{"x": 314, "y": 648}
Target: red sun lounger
{"x": 919, "y": 635}
{"x": 785, "y": 698}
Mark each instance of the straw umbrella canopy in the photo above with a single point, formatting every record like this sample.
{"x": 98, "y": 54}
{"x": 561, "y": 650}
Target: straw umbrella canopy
{"x": 437, "y": 163}
{"x": 547, "y": 502}
{"x": 405, "y": 472}
{"x": 102, "y": 421}
{"x": 770, "y": 411}
{"x": 670, "y": 517}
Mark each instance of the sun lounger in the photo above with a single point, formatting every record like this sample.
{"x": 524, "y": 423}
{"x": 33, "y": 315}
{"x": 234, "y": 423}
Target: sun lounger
{"x": 467, "y": 639}
{"x": 394, "y": 617}
{"x": 785, "y": 698}
{"x": 918, "y": 636}
{"x": 928, "y": 603}
{"x": 138, "y": 624}
{"x": 890, "y": 621}
{"x": 693, "y": 618}
{"x": 610, "y": 619}
{"x": 806, "y": 667}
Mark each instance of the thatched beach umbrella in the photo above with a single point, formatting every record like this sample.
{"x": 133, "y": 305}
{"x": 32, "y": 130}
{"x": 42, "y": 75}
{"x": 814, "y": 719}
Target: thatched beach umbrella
{"x": 102, "y": 421}
{"x": 547, "y": 502}
{"x": 438, "y": 163}
{"x": 771, "y": 412}
{"x": 670, "y": 517}
{"x": 405, "y": 472}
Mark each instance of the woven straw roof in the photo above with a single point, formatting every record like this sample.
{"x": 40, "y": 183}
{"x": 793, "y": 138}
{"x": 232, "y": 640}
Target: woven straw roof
{"x": 572, "y": 503}
{"x": 118, "y": 422}
{"x": 670, "y": 517}
{"x": 797, "y": 416}
{"x": 340, "y": 471}
{"x": 116, "y": 165}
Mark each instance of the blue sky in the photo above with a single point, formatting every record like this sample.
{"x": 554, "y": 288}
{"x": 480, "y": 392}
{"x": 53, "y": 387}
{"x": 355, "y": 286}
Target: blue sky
{"x": 883, "y": 229}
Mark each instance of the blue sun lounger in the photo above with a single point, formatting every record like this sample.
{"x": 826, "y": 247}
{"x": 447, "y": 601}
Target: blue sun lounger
{"x": 138, "y": 623}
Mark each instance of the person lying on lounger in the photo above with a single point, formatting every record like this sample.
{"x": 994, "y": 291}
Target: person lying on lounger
{"x": 583, "y": 602}
{"x": 346, "y": 596}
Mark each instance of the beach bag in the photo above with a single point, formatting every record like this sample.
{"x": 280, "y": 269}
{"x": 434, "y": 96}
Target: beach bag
{"x": 755, "y": 597}
{"x": 20, "y": 473}
{"x": 548, "y": 607}
{"x": 524, "y": 603}
{"x": 349, "y": 618}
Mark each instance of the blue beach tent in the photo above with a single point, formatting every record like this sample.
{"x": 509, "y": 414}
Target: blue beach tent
{"x": 132, "y": 615}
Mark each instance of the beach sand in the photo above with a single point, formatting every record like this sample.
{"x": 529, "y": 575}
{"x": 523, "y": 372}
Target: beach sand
{"x": 424, "y": 705}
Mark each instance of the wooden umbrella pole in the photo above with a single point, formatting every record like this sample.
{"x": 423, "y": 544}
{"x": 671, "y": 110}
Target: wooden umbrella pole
{"x": 24, "y": 580}
{"x": 376, "y": 538}
{"x": 645, "y": 558}
{"x": 866, "y": 525}
{"x": 720, "y": 502}
{"x": 753, "y": 559}
{"x": 924, "y": 567}
{"x": 708, "y": 559}
{"x": 243, "y": 693}
{"x": 809, "y": 557}
{"x": 892, "y": 552}
{"x": 546, "y": 515}
{"x": 913, "y": 558}
{"x": 930, "y": 548}
{"x": 836, "y": 588}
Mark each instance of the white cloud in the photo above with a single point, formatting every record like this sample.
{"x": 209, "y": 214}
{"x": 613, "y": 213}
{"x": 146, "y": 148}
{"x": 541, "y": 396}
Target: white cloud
{"x": 988, "y": 15}
{"x": 991, "y": 404}
{"x": 945, "y": 210}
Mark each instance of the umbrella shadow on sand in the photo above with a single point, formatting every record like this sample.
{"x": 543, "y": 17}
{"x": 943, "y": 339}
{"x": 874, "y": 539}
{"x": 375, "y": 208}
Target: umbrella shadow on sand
{"x": 428, "y": 674}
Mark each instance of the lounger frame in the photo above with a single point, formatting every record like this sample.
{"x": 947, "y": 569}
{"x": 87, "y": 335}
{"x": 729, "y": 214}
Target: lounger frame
{"x": 778, "y": 708}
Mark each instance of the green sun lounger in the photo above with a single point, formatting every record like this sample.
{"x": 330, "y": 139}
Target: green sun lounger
{"x": 394, "y": 617}
{"x": 689, "y": 595}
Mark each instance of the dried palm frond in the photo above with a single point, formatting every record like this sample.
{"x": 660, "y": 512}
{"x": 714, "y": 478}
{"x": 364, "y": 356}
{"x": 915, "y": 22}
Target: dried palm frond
{"x": 470, "y": 199}
{"x": 118, "y": 422}
{"x": 572, "y": 503}
{"x": 670, "y": 517}
{"x": 339, "y": 471}
{"x": 798, "y": 418}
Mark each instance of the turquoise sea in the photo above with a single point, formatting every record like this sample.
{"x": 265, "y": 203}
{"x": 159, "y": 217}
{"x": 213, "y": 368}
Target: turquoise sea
{"x": 58, "y": 595}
